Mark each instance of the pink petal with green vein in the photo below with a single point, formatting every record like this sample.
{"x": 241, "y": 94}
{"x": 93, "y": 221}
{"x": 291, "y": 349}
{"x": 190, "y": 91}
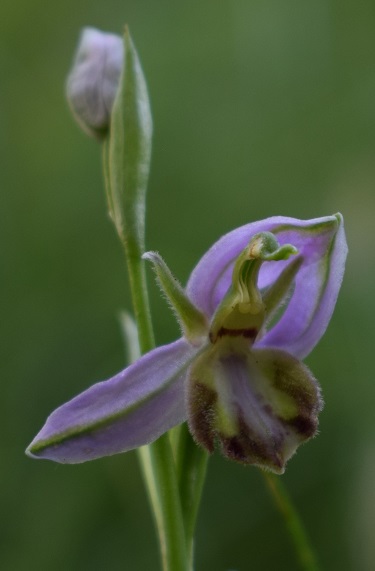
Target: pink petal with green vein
{"x": 129, "y": 410}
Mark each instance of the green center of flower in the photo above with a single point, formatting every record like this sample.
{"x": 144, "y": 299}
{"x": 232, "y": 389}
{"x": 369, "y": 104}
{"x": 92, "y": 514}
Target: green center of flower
{"x": 242, "y": 311}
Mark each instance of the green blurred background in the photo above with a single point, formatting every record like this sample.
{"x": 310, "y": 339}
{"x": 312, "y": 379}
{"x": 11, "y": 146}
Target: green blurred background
{"x": 260, "y": 107}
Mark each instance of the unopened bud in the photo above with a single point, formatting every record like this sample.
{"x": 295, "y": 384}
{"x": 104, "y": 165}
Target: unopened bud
{"x": 93, "y": 80}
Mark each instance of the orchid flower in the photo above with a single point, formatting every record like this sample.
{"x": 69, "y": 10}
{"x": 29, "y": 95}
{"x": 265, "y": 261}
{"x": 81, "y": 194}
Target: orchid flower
{"x": 256, "y": 304}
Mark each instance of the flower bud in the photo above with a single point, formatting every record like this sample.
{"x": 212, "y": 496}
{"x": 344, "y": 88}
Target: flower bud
{"x": 93, "y": 80}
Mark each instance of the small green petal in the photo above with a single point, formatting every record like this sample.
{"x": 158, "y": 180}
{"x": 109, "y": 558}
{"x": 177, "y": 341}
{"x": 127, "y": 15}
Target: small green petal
{"x": 279, "y": 290}
{"x": 192, "y": 321}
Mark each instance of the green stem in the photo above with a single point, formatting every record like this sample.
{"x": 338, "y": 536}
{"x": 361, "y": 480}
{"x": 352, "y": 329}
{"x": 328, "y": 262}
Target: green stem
{"x": 293, "y": 522}
{"x": 127, "y": 156}
{"x": 191, "y": 463}
{"x": 156, "y": 460}
{"x": 160, "y": 477}
{"x": 158, "y": 465}
{"x": 139, "y": 293}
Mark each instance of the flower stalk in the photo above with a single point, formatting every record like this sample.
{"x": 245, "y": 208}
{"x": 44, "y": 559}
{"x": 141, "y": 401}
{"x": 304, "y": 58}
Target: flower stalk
{"x": 293, "y": 523}
{"x": 191, "y": 466}
{"x": 126, "y": 163}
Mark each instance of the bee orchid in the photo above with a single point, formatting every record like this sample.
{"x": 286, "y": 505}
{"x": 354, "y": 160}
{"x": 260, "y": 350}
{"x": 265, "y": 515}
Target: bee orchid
{"x": 256, "y": 304}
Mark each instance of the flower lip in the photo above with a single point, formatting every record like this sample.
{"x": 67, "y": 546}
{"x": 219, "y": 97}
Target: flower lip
{"x": 258, "y": 405}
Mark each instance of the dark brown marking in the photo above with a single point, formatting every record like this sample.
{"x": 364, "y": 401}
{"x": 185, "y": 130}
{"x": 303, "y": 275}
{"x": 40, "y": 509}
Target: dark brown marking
{"x": 304, "y": 425}
{"x": 306, "y": 395}
{"x": 201, "y": 411}
{"x": 247, "y": 447}
{"x": 248, "y": 333}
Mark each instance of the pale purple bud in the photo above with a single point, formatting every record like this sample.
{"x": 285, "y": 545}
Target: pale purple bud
{"x": 93, "y": 81}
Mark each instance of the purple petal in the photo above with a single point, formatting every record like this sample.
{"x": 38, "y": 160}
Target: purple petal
{"x": 211, "y": 277}
{"x": 131, "y": 409}
{"x": 317, "y": 286}
{"x": 322, "y": 244}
